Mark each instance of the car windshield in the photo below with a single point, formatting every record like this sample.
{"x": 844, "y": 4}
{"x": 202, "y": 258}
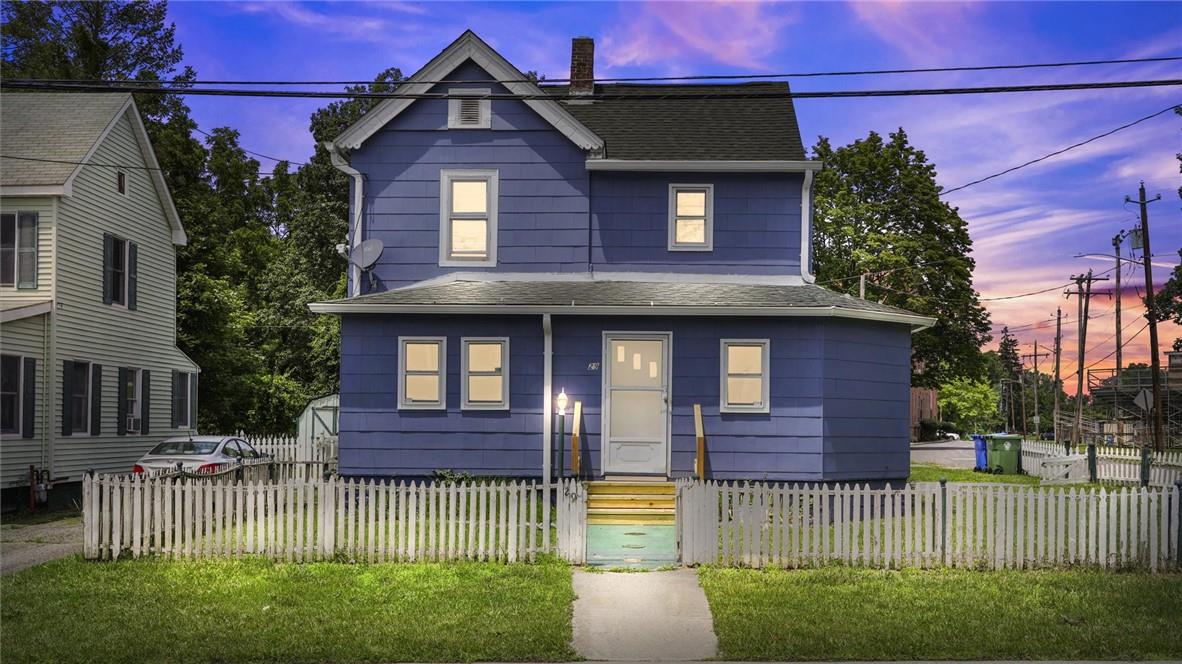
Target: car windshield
{"x": 185, "y": 447}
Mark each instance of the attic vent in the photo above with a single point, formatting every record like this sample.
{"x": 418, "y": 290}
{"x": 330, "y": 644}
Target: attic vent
{"x": 468, "y": 113}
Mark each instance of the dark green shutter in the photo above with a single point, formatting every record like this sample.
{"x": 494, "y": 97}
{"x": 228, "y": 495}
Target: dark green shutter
{"x": 67, "y": 397}
{"x": 176, "y": 381}
{"x": 29, "y": 397}
{"x": 96, "y": 399}
{"x": 193, "y": 402}
{"x": 108, "y": 266}
{"x": 132, "y": 250}
{"x": 145, "y": 400}
{"x": 121, "y": 403}
{"x": 26, "y": 259}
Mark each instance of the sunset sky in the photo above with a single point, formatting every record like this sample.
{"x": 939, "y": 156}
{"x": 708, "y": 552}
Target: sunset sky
{"x": 1026, "y": 227}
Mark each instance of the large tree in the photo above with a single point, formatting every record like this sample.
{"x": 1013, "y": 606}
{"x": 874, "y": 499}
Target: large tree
{"x": 878, "y": 212}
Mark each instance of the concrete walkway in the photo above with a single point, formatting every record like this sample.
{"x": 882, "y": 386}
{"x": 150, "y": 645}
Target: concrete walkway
{"x": 22, "y": 546}
{"x": 947, "y": 453}
{"x": 642, "y": 616}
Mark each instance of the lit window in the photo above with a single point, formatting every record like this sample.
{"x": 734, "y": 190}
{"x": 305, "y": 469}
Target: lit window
{"x": 18, "y": 250}
{"x": 422, "y": 371}
{"x": 744, "y": 375}
{"x": 468, "y": 218}
{"x": 486, "y": 374}
{"x": 691, "y": 217}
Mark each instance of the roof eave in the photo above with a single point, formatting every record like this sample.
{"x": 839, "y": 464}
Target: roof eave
{"x": 344, "y": 307}
{"x": 697, "y": 165}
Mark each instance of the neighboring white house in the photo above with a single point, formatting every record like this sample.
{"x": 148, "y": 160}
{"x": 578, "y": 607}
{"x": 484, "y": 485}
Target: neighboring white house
{"x": 90, "y": 373}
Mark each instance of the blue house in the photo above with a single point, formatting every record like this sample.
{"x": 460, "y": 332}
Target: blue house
{"x": 643, "y": 249}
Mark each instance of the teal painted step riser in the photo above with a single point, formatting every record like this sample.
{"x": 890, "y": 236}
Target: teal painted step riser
{"x": 627, "y": 545}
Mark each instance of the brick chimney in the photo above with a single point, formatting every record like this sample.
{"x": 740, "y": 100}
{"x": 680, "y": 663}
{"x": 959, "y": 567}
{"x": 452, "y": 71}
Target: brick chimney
{"x": 582, "y": 66}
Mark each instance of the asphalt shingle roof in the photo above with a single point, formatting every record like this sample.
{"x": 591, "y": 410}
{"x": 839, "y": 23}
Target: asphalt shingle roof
{"x": 728, "y": 128}
{"x": 602, "y": 293}
{"x": 61, "y": 126}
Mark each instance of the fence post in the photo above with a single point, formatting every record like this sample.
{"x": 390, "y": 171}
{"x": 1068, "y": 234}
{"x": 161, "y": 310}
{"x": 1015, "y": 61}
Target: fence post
{"x": 1178, "y": 517}
{"x": 944, "y": 520}
{"x": 1145, "y": 460}
{"x": 1092, "y": 462}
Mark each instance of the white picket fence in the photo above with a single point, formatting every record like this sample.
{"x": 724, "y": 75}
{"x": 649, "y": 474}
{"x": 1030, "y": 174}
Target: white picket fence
{"x": 926, "y": 525}
{"x": 317, "y": 519}
{"x": 1170, "y": 457}
{"x": 1051, "y": 462}
{"x": 323, "y": 449}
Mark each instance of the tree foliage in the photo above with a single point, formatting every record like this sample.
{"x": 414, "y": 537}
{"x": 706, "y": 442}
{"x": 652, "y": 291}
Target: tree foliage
{"x": 970, "y": 404}
{"x": 878, "y": 212}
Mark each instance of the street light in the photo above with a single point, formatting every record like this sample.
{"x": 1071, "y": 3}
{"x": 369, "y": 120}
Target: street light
{"x": 561, "y": 401}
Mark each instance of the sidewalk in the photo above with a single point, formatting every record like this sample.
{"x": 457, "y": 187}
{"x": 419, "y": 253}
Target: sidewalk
{"x": 23, "y": 546}
{"x": 642, "y": 616}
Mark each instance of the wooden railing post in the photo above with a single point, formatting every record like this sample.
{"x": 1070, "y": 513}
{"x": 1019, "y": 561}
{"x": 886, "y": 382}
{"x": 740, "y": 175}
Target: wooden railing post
{"x": 699, "y": 433}
{"x": 576, "y": 427}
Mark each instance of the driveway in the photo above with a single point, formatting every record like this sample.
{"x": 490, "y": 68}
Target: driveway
{"x": 22, "y": 546}
{"x": 947, "y": 453}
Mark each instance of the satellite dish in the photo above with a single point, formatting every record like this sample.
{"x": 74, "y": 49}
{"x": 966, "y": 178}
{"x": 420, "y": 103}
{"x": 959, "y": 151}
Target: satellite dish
{"x": 367, "y": 253}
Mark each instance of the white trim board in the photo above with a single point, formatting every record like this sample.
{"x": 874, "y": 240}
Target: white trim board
{"x": 683, "y": 165}
{"x": 608, "y": 275}
{"x": 26, "y": 311}
{"x": 469, "y": 47}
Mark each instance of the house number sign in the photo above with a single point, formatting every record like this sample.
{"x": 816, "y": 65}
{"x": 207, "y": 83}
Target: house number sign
{"x": 592, "y": 366}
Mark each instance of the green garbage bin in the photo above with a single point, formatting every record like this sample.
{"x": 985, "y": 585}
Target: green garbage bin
{"x": 1003, "y": 453}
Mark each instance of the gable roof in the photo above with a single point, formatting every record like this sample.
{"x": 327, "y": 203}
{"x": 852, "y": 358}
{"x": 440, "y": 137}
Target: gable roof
{"x": 645, "y": 298}
{"x": 65, "y": 129}
{"x": 728, "y": 128}
{"x": 468, "y": 47}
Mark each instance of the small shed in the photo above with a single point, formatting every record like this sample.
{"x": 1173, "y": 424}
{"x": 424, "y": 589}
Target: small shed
{"x": 321, "y": 417}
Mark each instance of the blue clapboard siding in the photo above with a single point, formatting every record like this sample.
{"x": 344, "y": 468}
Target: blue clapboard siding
{"x": 543, "y": 203}
{"x": 839, "y": 397}
{"x": 756, "y": 223}
{"x": 867, "y": 400}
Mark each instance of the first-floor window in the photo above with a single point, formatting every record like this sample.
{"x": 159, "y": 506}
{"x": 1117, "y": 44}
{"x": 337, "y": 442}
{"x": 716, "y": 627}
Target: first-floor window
{"x": 181, "y": 399}
{"x": 745, "y": 375}
{"x": 421, "y": 372}
{"x": 132, "y": 398}
{"x": 80, "y": 397}
{"x": 485, "y": 374}
{"x": 10, "y": 394}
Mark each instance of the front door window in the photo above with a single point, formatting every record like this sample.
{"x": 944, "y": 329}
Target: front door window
{"x": 637, "y": 409}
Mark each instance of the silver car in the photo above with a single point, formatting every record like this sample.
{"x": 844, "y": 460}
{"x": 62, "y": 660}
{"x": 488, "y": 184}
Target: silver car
{"x": 197, "y": 454}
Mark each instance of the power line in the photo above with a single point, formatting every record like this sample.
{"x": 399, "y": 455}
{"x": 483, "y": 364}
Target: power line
{"x": 647, "y": 95}
{"x": 695, "y": 77}
{"x": 257, "y": 154}
{"x": 95, "y": 163}
{"x": 1060, "y": 151}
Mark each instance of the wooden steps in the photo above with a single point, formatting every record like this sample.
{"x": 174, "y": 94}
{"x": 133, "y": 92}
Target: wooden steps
{"x": 621, "y": 502}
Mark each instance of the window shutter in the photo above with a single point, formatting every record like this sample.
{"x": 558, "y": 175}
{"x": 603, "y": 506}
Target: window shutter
{"x": 96, "y": 399}
{"x": 121, "y": 403}
{"x": 132, "y": 250}
{"x": 108, "y": 266}
{"x": 26, "y": 270}
{"x": 145, "y": 401}
{"x": 176, "y": 417}
{"x": 67, "y": 403}
{"x": 193, "y": 402}
{"x": 29, "y": 398}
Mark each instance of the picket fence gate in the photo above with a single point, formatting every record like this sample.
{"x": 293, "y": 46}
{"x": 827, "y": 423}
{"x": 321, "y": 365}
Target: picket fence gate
{"x": 926, "y": 525}
{"x": 1050, "y": 461}
{"x": 319, "y": 519}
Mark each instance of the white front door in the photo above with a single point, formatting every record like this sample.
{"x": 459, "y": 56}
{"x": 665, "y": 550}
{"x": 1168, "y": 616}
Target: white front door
{"x": 636, "y": 403}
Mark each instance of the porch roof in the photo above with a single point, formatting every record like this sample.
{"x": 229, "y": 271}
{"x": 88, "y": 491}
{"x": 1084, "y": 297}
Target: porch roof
{"x": 591, "y": 297}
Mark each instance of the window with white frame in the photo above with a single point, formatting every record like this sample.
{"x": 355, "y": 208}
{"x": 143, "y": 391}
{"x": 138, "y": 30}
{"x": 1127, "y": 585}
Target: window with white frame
{"x": 80, "y": 397}
{"x": 422, "y": 373}
{"x": 18, "y": 250}
{"x": 691, "y": 217}
{"x": 132, "y": 398}
{"x": 745, "y": 384}
{"x": 468, "y": 218}
{"x": 10, "y": 394}
{"x": 485, "y": 374}
{"x": 467, "y": 110}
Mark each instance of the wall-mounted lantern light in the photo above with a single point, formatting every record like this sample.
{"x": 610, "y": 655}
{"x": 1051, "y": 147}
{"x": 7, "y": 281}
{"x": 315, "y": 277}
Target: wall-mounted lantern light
{"x": 561, "y": 401}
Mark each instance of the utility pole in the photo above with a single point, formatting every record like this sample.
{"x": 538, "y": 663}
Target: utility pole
{"x": 1035, "y": 356}
{"x": 1022, "y": 395}
{"x": 1058, "y": 354}
{"x": 1151, "y": 313}
{"x": 1083, "y": 290}
{"x": 1116, "y": 240}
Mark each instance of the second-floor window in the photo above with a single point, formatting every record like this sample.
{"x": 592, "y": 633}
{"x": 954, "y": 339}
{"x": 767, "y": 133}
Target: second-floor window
{"x": 119, "y": 271}
{"x": 18, "y": 250}
{"x": 468, "y": 218}
{"x": 691, "y": 217}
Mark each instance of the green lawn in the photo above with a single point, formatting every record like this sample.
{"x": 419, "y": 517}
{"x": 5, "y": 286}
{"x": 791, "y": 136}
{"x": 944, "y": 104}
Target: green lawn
{"x": 845, "y": 613}
{"x": 927, "y": 472}
{"x": 255, "y": 610}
